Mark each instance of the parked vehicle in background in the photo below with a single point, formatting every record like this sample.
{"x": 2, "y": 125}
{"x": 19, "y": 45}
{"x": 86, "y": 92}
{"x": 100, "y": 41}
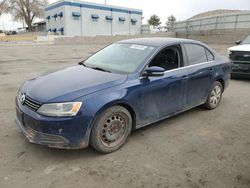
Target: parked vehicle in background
{"x": 125, "y": 86}
{"x": 240, "y": 56}
{"x": 154, "y": 30}
{"x": 11, "y": 33}
{"x": 163, "y": 29}
{"x": 2, "y": 34}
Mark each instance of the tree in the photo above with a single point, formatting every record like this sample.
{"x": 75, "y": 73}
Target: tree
{"x": 154, "y": 20}
{"x": 170, "y": 23}
{"x": 27, "y": 10}
{"x": 4, "y": 6}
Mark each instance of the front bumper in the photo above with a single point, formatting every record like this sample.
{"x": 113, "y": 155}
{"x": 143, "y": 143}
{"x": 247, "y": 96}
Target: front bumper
{"x": 240, "y": 75}
{"x": 42, "y": 138}
{"x": 240, "y": 70}
{"x": 66, "y": 133}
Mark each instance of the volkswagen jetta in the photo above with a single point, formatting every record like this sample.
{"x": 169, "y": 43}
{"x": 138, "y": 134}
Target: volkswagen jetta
{"x": 125, "y": 86}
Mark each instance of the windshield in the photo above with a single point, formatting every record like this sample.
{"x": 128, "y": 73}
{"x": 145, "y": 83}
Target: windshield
{"x": 246, "y": 40}
{"x": 120, "y": 58}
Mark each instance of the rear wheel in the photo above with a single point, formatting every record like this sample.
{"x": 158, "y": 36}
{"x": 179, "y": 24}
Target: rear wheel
{"x": 111, "y": 129}
{"x": 214, "y": 97}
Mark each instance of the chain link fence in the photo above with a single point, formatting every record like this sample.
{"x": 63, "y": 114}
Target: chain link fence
{"x": 231, "y": 21}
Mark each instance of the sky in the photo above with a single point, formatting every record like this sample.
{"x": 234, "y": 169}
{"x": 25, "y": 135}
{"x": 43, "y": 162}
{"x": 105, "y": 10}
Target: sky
{"x": 181, "y": 9}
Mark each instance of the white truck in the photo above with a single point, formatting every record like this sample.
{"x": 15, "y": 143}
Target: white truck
{"x": 240, "y": 56}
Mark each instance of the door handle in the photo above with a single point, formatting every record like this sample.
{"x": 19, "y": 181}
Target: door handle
{"x": 184, "y": 77}
{"x": 211, "y": 69}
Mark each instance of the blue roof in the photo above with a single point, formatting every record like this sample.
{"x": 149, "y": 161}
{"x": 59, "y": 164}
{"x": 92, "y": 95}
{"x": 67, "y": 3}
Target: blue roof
{"x": 93, "y": 6}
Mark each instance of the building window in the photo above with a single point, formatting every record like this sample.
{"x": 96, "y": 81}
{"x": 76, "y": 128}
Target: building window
{"x": 122, "y": 19}
{"x": 60, "y": 14}
{"x": 61, "y": 30}
{"x": 76, "y": 15}
{"x": 95, "y": 17}
{"x": 109, "y": 18}
{"x": 133, "y": 21}
{"x": 55, "y": 16}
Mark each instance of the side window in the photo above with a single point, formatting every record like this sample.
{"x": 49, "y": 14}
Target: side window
{"x": 169, "y": 58}
{"x": 210, "y": 56}
{"x": 195, "y": 54}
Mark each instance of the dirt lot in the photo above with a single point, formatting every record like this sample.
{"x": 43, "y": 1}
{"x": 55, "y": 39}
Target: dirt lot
{"x": 198, "y": 148}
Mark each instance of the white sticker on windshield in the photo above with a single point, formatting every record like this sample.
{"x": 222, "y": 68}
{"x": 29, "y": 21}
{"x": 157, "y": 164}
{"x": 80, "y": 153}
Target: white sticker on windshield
{"x": 138, "y": 47}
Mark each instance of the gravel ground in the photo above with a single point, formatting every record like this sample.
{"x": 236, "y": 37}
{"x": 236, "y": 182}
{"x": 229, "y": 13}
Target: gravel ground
{"x": 198, "y": 148}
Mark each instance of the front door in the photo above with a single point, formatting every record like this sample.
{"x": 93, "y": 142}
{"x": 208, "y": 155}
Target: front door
{"x": 159, "y": 97}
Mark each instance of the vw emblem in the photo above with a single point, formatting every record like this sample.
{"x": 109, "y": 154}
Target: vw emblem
{"x": 22, "y": 98}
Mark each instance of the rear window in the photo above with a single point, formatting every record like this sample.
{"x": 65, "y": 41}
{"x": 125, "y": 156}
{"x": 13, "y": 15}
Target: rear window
{"x": 210, "y": 56}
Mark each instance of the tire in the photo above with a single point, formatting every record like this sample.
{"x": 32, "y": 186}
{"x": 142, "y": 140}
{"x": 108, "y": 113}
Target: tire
{"x": 214, "y": 96}
{"x": 111, "y": 129}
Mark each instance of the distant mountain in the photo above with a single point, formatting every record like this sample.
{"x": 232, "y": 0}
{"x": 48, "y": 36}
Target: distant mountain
{"x": 215, "y": 13}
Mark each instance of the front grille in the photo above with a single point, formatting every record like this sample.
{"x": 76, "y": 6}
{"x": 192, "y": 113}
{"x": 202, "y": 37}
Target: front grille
{"x": 240, "y": 71}
{"x": 240, "y": 56}
{"x": 31, "y": 103}
{"x": 44, "y": 138}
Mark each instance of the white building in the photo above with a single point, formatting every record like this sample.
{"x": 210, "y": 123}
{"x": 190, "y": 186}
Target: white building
{"x": 79, "y": 18}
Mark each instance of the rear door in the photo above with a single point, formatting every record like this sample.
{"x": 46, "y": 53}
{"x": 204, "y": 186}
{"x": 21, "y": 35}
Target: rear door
{"x": 200, "y": 73}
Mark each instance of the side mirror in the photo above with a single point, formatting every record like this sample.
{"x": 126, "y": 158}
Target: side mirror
{"x": 238, "y": 42}
{"x": 154, "y": 71}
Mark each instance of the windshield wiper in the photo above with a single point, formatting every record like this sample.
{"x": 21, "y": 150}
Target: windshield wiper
{"x": 96, "y": 68}
{"x": 100, "y": 69}
{"x": 82, "y": 63}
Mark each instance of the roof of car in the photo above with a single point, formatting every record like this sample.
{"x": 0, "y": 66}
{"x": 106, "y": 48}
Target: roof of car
{"x": 156, "y": 41}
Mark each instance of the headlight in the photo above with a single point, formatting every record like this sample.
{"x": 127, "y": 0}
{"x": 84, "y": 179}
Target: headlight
{"x": 60, "y": 109}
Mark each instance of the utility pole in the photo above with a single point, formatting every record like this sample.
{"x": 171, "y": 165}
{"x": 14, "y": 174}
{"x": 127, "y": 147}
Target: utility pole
{"x": 105, "y": 2}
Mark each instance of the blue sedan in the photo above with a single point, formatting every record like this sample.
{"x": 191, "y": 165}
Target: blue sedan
{"x": 124, "y": 86}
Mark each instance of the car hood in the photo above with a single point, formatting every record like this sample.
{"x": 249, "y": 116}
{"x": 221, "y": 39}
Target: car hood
{"x": 243, "y": 47}
{"x": 69, "y": 84}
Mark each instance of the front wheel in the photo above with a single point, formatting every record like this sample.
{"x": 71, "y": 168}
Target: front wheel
{"x": 111, "y": 129}
{"x": 214, "y": 97}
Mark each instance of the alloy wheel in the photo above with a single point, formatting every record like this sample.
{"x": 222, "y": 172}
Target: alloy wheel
{"x": 215, "y": 96}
